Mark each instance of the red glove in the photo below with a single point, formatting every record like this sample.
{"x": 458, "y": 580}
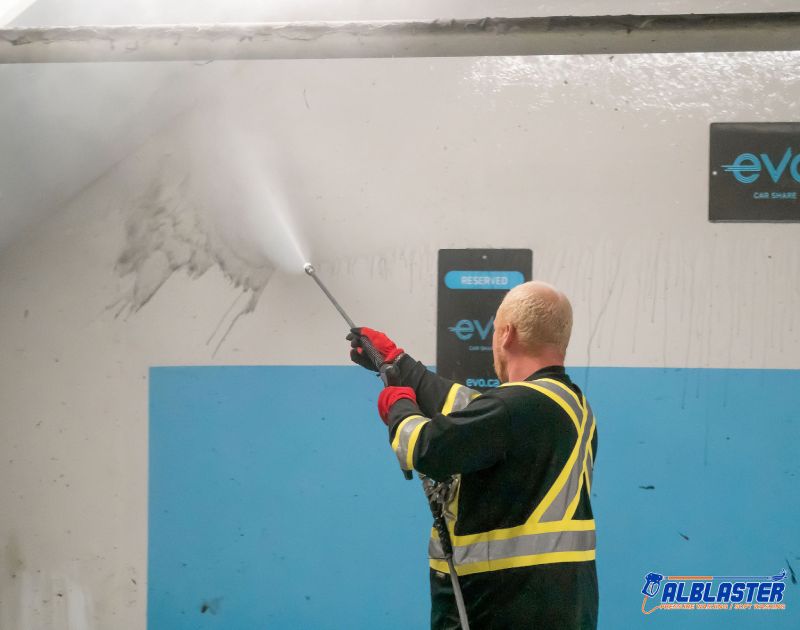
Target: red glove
{"x": 389, "y": 396}
{"x": 385, "y": 347}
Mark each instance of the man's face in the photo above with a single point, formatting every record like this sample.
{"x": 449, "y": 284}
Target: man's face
{"x": 500, "y": 362}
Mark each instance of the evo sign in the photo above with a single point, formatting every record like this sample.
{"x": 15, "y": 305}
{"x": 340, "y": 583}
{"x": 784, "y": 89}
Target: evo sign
{"x": 471, "y": 285}
{"x": 754, "y": 172}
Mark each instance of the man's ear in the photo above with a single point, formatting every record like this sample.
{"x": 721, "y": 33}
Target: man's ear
{"x": 508, "y": 335}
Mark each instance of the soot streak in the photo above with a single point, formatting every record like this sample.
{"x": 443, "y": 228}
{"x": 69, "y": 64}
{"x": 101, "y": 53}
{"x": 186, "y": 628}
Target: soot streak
{"x": 165, "y": 232}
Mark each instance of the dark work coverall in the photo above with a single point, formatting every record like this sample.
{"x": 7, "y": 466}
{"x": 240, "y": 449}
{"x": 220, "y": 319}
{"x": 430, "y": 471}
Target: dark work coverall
{"x": 520, "y": 459}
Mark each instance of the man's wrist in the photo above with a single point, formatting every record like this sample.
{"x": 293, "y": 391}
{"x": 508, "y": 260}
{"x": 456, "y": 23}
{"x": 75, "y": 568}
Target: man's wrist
{"x": 406, "y": 366}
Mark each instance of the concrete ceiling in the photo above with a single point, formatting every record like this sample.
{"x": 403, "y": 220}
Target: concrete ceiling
{"x": 63, "y": 126}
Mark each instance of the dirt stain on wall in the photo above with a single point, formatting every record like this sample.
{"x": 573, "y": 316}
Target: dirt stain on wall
{"x": 166, "y": 233}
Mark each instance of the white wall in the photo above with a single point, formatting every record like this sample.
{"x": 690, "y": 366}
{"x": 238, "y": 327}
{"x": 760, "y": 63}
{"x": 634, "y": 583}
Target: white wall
{"x": 43, "y": 116}
{"x": 598, "y": 164}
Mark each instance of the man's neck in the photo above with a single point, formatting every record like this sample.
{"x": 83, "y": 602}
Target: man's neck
{"x": 522, "y": 367}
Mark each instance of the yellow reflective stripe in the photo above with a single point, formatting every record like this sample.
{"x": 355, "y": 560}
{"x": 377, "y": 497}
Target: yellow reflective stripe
{"x": 573, "y": 505}
{"x": 554, "y": 397}
{"x": 396, "y": 440}
{"x": 412, "y": 443}
{"x": 586, "y": 477}
{"x": 452, "y": 508}
{"x": 524, "y": 530}
{"x": 412, "y": 439}
{"x": 439, "y": 565}
{"x": 516, "y": 562}
{"x": 450, "y": 400}
{"x": 588, "y": 462}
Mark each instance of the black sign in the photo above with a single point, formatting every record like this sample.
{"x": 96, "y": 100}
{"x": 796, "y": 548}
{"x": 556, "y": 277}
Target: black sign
{"x": 755, "y": 172}
{"x": 472, "y": 283}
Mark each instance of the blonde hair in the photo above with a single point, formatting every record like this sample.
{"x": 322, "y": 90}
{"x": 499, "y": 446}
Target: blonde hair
{"x": 540, "y": 313}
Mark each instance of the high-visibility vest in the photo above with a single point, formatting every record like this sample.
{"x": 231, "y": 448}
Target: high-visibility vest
{"x": 551, "y": 534}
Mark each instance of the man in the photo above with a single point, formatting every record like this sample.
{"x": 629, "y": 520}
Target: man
{"x": 517, "y": 461}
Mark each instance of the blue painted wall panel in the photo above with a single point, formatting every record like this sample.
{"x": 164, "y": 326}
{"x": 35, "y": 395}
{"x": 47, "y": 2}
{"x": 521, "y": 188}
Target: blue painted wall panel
{"x": 275, "y": 501}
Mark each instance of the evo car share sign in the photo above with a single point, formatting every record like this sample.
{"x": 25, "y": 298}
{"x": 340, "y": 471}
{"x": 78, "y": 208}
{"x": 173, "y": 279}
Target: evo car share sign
{"x": 754, "y": 172}
{"x": 471, "y": 285}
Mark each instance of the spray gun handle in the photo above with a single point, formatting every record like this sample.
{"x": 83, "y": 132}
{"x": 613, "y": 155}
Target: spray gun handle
{"x": 390, "y": 375}
{"x": 374, "y": 356}
{"x": 387, "y": 371}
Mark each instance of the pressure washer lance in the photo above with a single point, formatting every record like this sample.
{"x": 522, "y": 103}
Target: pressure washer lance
{"x": 387, "y": 372}
{"x": 434, "y": 492}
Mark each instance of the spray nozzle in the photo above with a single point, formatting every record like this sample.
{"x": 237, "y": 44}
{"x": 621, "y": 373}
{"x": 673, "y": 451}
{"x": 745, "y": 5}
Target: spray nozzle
{"x": 309, "y": 269}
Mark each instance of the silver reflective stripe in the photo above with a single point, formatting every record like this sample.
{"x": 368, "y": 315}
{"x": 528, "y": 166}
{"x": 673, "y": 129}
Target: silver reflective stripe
{"x": 403, "y": 438}
{"x": 529, "y": 545}
{"x": 435, "y": 551}
{"x": 557, "y": 510}
{"x": 462, "y": 398}
{"x": 561, "y": 392}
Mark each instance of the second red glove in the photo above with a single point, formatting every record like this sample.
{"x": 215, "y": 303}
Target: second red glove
{"x": 389, "y": 396}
